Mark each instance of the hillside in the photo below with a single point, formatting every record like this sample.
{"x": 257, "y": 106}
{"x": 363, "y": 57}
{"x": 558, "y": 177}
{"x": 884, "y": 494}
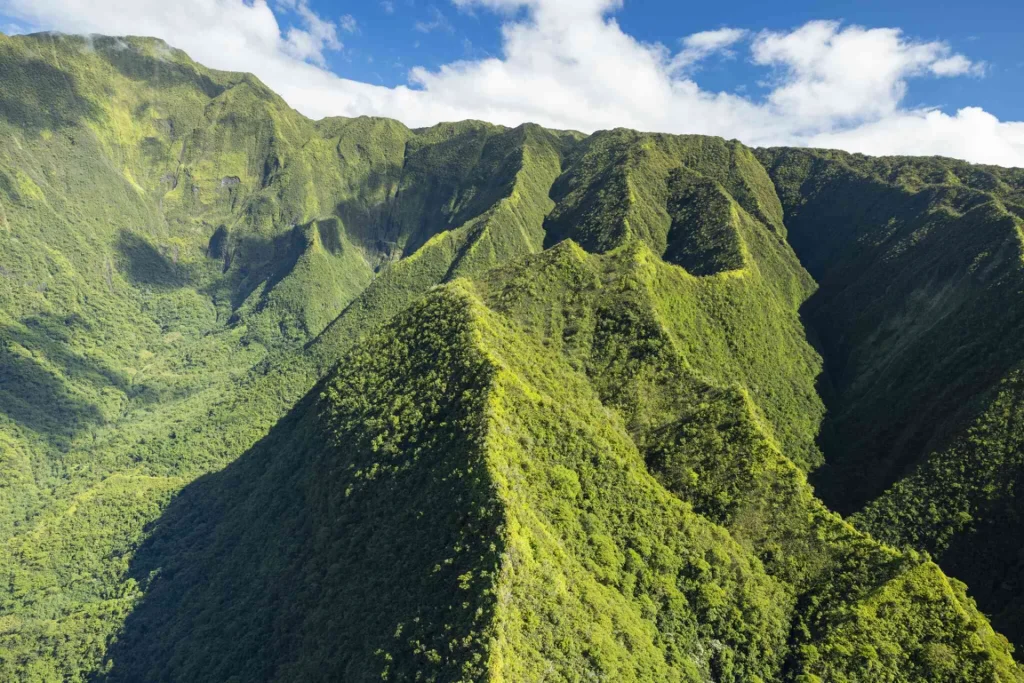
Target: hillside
{"x": 919, "y": 318}
{"x": 296, "y": 400}
{"x": 556, "y": 550}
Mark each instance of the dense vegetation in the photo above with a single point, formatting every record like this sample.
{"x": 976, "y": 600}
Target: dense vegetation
{"x": 340, "y": 400}
{"x": 919, "y": 318}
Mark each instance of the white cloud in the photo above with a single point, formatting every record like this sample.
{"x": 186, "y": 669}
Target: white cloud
{"x": 387, "y": 6}
{"x": 318, "y": 35}
{"x": 568, "y": 64}
{"x": 700, "y": 46}
{"x": 957, "y": 65}
{"x": 831, "y": 76}
{"x": 971, "y": 133}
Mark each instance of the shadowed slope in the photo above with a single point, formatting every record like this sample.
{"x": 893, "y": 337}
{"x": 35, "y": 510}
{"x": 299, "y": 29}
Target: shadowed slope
{"x": 919, "y": 320}
{"x": 358, "y": 538}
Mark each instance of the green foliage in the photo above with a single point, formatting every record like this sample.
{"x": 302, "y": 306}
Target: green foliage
{"x": 964, "y": 504}
{"x": 370, "y": 577}
{"x": 156, "y": 298}
{"x": 707, "y": 443}
{"x": 920, "y": 268}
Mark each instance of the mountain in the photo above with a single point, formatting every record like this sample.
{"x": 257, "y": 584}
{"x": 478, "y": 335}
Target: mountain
{"x": 341, "y": 400}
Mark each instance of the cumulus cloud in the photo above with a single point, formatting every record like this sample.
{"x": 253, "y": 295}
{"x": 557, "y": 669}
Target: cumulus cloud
{"x": 831, "y": 76}
{"x": 971, "y": 134}
{"x": 568, "y": 64}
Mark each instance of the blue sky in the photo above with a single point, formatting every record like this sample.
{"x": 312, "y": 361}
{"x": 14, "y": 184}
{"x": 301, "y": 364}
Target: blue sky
{"x": 907, "y": 77}
{"x": 419, "y": 32}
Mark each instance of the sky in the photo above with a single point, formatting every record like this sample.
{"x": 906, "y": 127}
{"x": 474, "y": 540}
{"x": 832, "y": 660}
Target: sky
{"x": 895, "y": 77}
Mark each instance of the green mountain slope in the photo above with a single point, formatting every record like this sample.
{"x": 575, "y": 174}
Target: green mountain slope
{"x": 324, "y": 553}
{"x": 919, "y": 319}
{"x": 284, "y": 399}
{"x": 705, "y": 442}
{"x": 156, "y": 310}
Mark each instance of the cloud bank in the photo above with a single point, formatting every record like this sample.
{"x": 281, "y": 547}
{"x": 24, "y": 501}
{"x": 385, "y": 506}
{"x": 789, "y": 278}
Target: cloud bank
{"x": 568, "y": 64}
